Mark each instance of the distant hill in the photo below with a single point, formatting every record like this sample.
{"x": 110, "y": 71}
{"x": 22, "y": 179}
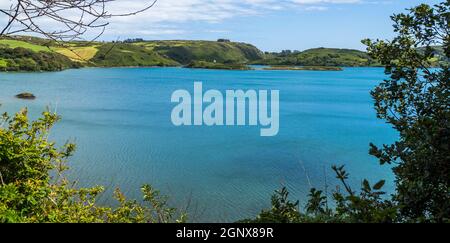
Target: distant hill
{"x": 439, "y": 55}
{"x": 185, "y": 52}
{"x": 320, "y": 57}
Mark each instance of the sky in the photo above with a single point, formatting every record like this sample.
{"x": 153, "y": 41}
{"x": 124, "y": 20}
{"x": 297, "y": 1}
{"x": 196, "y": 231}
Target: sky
{"x": 271, "y": 25}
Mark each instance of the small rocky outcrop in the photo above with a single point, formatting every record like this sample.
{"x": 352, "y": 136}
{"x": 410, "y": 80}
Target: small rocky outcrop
{"x": 26, "y": 96}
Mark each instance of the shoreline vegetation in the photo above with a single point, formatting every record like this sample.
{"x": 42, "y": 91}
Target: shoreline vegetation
{"x": 305, "y": 68}
{"x": 218, "y": 66}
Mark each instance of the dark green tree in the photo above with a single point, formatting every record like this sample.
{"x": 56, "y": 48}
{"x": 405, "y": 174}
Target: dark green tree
{"x": 365, "y": 206}
{"x": 415, "y": 100}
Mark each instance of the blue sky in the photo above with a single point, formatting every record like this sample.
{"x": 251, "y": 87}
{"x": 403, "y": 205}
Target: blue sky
{"x": 271, "y": 25}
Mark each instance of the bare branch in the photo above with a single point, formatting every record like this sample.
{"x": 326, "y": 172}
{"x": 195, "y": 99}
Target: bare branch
{"x": 66, "y": 20}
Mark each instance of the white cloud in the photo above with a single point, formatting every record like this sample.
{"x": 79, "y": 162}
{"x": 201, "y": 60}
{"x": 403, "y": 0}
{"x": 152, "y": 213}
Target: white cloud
{"x": 212, "y": 10}
{"x": 316, "y": 8}
{"x": 184, "y": 13}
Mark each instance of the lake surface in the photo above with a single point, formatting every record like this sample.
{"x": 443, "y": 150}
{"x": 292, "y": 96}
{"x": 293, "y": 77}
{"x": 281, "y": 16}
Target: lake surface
{"x": 120, "y": 120}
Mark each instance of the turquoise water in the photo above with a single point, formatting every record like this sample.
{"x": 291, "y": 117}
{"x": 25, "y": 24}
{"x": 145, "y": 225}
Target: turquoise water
{"x": 120, "y": 120}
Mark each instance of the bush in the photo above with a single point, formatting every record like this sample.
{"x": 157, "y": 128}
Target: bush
{"x": 33, "y": 187}
{"x": 22, "y": 59}
{"x": 415, "y": 100}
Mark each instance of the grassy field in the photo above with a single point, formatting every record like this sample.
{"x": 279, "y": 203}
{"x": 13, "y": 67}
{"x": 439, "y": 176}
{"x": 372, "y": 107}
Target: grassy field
{"x": 78, "y": 53}
{"x": 120, "y": 54}
{"x": 18, "y": 43}
{"x": 72, "y": 51}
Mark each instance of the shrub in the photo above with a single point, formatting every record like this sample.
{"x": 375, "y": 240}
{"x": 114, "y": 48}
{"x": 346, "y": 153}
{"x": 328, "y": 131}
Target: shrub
{"x": 33, "y": 187}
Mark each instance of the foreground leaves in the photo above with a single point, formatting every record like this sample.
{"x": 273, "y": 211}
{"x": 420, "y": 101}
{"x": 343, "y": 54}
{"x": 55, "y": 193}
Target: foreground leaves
{"x": 415, "y": 100}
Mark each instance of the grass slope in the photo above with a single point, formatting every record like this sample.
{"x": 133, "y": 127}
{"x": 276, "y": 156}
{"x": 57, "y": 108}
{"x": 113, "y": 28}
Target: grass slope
{"x": 18, "y": 43}
{"x": 185, "y": 52}
{"x": 120, "y": 54}
{"x": 78, "y": 53}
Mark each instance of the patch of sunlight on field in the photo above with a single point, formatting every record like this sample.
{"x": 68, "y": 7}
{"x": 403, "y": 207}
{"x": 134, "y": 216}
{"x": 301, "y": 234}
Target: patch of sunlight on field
{"x": 78, "y": 53}
{"x": 16, "y": 43}
{"x": 147, "y": 45}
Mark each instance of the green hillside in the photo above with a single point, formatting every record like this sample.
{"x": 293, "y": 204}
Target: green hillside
{"x": 23, "y": 59}
{"x": 121, "y": 54}
{"x": 185, "y": 52}
{"x": 27, "y": 45}
{"x": 143, "y": 53}
{"x": 24, "y": 53}
{"x": 319, "y": 57}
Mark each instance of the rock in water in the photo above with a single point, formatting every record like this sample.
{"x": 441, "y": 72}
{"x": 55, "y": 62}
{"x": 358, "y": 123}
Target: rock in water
{"x": 26, "y": 96}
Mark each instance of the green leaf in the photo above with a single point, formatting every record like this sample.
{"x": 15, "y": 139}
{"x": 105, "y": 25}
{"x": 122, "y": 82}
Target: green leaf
{"x": 366, "y": 185}
{"x": 379, "y": 185}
